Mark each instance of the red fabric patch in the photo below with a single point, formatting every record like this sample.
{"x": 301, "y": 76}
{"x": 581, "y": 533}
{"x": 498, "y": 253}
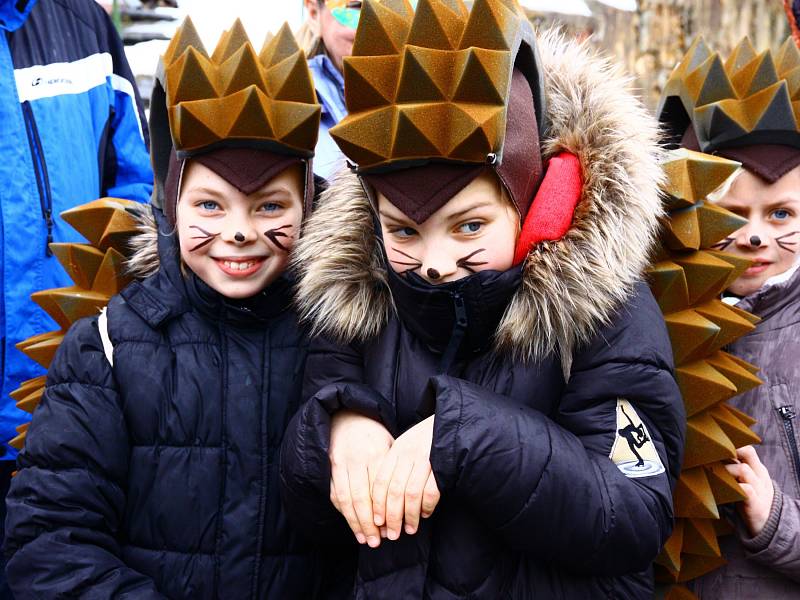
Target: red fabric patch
{"x": 550, "y": 215}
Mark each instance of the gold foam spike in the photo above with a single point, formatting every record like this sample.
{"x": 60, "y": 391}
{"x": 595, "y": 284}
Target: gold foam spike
{"x": 702, "y": 386}
{"x": 693, "y": 496}
{"x": 241, "y": 70}
{"x": 767, "y": 110}
{"x": 31, "y": 401}
{"x": 736, "y": 430}
{"x": 724, "y": 485}
{"x": 706, "y": 442}
{"x": 732, "y": 326}
{"x": 742, "y": 378}
{"x": 186, "y": 36}
{"x": 691, "y": 176}
{"x": 691, "y": 335}
{"x": 18, "y": 442}
{"x": 741, "y": 55}
{"x": 670, "y": 555}
{"x": 439, "y": 23}
{"x": 290, "y": 80}
{"x": 756, "y": 75}
{"x": 700, "y": 538}
{"x": 682, "y": 230}
{"x": 42, "y": 348}
{"x": 111, "y": 276}
{"x": 738, "y": 263}
{"x": 27, "y": 387}
{"x": 694, "y": 566}
{"x": 381, "y": 30}
{"x": 105, "y": 222}
{"x": 706, "y": 275}
{"x": 668, "y": 283}
{"x": 230, "y": 42}
{"x": 788, "y": 57}
{"x": 374, "y": 77}
{"x": 67, "y": 305}
{"x": 80, "y": 261}
{"x": 716, "y": 223}
{"x": 491, "y": 24}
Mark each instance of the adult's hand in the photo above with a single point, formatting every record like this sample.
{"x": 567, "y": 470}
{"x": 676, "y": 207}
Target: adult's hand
{"x": 358, "y": 444}
{"x": 756, "y": 484}
{"x": 405, "y": 488}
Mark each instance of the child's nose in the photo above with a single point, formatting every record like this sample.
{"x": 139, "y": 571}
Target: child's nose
{"x": 239, "y": 232}
{"x": 438, "y": 269}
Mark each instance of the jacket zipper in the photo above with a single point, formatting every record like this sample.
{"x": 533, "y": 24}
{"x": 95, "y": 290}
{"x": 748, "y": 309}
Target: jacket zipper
{"x": 40, "y": 170}
{"x": 788, "y": 414}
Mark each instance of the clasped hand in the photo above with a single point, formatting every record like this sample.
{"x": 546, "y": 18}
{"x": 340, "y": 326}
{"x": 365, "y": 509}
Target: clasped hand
{"x": 378, "y": 483}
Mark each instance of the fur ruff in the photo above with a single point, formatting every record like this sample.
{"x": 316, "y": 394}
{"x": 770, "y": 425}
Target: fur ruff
{"x": 143, "y": 261}
{"x": 570, "y": 287}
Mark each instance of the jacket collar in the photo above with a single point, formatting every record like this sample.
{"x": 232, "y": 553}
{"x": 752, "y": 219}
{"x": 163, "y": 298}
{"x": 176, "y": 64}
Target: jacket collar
{"x": 14, "y": 12}
{"x": 773, "y": 301}
{"x": 570, "y": 287}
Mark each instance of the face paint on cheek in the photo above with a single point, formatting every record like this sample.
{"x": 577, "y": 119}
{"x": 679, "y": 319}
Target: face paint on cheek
{"x": 723, "y": 245}
{"x": 207, "y": 236}
{"x": 273, "y": 235}
{"x": 411, "y": 265}
{"x": 782, "y": 243}
{"x": 465, "y": 263}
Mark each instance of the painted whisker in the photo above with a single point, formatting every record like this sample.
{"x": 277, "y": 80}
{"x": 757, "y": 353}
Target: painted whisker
{"x": 273, "y": 235}
{"x": 465, "y": 263}
{"x": 786, "y": 245}
{"x": 723, "y": 245}
{"x": 207, "y": 236}
{"x": 412, "y": 266}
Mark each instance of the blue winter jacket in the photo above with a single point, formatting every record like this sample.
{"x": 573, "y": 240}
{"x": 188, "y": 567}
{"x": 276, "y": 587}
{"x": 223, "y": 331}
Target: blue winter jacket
{"x": 71, "y": 130}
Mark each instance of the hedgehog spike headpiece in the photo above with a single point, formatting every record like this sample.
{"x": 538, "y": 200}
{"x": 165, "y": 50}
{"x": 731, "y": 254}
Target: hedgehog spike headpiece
{"x": 257, "y": 105}
{"x": 745, "y": 108}
{"x": 437, "y": 90}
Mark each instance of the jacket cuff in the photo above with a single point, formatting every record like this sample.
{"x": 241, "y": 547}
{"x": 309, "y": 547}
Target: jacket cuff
{"x": 446, "y": 424}
{"x": 764, "y": 538}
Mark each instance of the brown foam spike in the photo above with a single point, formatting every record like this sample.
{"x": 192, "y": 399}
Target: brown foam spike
{"x": 671, "y": 553}
{"x": 716, "y": 223}
{"x": 731, "y": 325}
{"x": 743, "y": 417}
{"x": 492, "y": 25}
{"x": 119, "y": 230}
{"x": 31, "y": 401}
{"x": 694, "y": 566}
{"x": 251, "y": 115}
{"x": 111, "y": 276}
{"x": 185, "y": 37}
{"x": 241, "y": 70}
{"x": 700, "y": 538}
{"x": 67, "y": 305}
{"x": 371, "y": 81}
{"x": 297, "y": 123}
{"x": 706, "y": 442}
{"x": 737, "y": 431}
{"x": 279, "y": 47}
{"x": 705, "y": 275}
{"x": 682, "y": 230}
{"x": 693, "y": 496}
{"x": 80, "y": 261}
{"x": 410, "y": 141}
{"x": 741, "y": 55}
{"x": 691, "y": 334}
{"x": 702, "y": 386}
{"x": 754, "y": 113}
{"x": 740, "y": 377}
{"x": 756, "y": 75}
{"x": 693, "y": 175}
{"x": 738, "y": 263}
{"x": 724, "y": 485}
{"x": 19, "y": 441}
{"x": 422, "y": 114}
{"x": 678, "y": 592}
{"x": 230, "y": 42}
{"x": 484, "y": 79}
{"x": 42, "y": 348}
{"x": 668, "y": 282}
{"x": 485, "y": 138}
{"x": 27, "y": 387}
{"x": 190, "y": 77}
{"x": 191, "y": 125}
{"x": 438, "y": 24}
{"x": 103, "y": 221}
{"x": 357, "y": 140}
{"x": 381, "y": 30}
{"x": 417, "y": 85}
{"x": 788, "y": 57}
{"x": 709, "y": 83}
{"x": 744, "y": 364}
{"x": 292, "y": 80}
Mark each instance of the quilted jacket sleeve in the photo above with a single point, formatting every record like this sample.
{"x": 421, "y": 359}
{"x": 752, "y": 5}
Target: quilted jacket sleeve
{"x": 548, "y": 484}
{"x": 777, "y": 546}
{"x": 66, "y": 504}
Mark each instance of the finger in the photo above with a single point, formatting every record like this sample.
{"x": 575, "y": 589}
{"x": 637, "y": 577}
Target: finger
{"x": 750, "y": 456}
{"x": 430, "y": 496}
{"x": 395, "y": 497}
{"x": 341, "y": 484}
{"x": 334, "y": 499}
{"x": 362, "y": 503}
{"x": 734, "y": 469}
{"x": 748, "y": 491}
{"x": 412, "y": 503}
{"x": 380, "y": 487}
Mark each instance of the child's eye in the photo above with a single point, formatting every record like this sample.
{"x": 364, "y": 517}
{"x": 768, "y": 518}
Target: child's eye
{"x": 470, "y": 227}
{"x": 209, "y": 205}
{"x": 270, "y": 207}
{"x": 781, "y": 214}
{"x": 404, "y": 232}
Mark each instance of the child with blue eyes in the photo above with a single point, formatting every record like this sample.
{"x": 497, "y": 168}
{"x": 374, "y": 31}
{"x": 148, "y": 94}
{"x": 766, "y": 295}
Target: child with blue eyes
{"x": 150, "y": 467}
{"x": 763, "y": 557}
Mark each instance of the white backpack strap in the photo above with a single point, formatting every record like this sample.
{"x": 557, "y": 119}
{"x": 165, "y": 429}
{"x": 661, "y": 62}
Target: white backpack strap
{"x": 102, "y": 325}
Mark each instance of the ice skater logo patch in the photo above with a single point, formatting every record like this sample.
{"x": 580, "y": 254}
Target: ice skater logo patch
{"x": 633, "y": 451}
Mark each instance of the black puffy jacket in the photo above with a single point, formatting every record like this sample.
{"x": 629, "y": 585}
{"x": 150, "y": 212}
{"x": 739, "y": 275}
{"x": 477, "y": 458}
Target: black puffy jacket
{"x": 562, "y": 378}
{"x": 158, "y": 477}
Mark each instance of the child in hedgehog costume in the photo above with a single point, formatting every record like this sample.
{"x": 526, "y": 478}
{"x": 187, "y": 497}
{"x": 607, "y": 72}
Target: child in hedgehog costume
{"x": 150, "y": 467}
{"x": 491, "y": 406}
{"x": 743, "y": 108}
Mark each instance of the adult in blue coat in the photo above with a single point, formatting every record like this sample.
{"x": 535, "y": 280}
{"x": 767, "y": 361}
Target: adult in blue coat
{"x": 526, "y": 409}
{"x": 73, "y": 130}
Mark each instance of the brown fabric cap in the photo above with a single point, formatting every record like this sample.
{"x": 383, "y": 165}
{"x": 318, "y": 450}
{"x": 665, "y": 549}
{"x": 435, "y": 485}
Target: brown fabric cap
{"x": 419, "y": 191}
{"x": 768, "y": 161}
{"x": 245, "y": 169}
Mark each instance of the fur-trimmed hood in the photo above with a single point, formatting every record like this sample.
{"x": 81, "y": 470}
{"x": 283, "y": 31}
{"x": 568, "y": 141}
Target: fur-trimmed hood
{"x": 571, "y": 286}
{"x": 144, "y": 261}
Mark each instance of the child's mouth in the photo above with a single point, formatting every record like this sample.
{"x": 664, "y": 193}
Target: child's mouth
{"x": 756, "y": 268}
{"x": 240, "y": 267}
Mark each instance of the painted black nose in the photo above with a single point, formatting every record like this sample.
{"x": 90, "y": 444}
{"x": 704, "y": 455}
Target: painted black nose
{"x": 433, "y": 274}
{"x": 755, "y": 241}
{"x": 239, "y": 237}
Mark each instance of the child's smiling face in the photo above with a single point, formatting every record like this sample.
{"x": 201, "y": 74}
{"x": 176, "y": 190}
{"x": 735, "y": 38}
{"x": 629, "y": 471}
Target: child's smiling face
{"x": 475, "y": 230}
{"x": 772, "y": 236}
{"x": 238, "y": 243}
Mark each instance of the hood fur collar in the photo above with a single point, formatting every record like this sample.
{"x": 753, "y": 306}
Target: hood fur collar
{"x": 570, "y": 287}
